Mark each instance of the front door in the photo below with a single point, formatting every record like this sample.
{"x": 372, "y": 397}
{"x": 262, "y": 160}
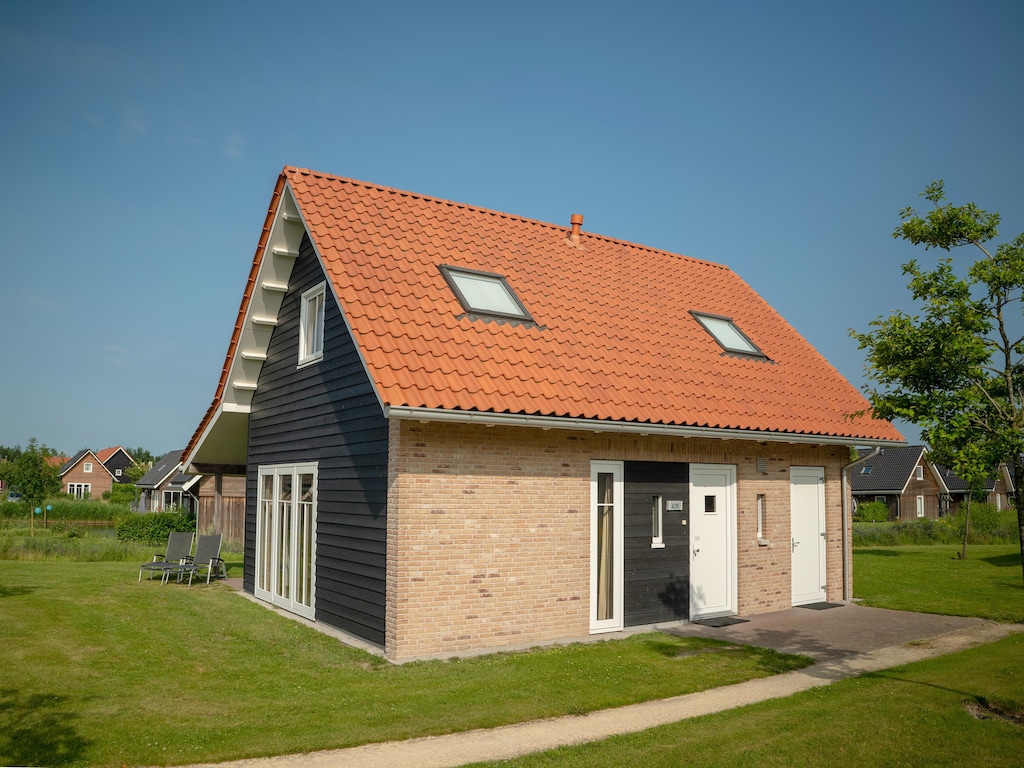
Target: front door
{"x": 807, "y": 512}
{"x": 712, "y": 540}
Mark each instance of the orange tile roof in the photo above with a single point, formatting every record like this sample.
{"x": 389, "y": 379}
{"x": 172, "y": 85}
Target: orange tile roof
{"x": 613, "y": 340}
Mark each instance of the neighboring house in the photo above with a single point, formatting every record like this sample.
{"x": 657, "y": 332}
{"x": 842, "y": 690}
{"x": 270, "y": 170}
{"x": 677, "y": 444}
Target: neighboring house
{"x": 117, "y": 461}
{"x": 998, "y": 487}
{"x": 904, "y": 480}
{"x": 84, "y": 476}
{"x": 463, "y": 430}
{"x": 165, "y": 486}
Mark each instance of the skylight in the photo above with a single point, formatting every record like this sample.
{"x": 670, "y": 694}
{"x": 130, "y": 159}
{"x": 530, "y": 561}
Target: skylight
{"x": 484, "y": 293}
{"x": 728, "y": 335}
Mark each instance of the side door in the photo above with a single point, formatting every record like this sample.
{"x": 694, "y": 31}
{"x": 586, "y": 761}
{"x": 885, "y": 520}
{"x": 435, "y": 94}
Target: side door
{"x": 807, "y": 525}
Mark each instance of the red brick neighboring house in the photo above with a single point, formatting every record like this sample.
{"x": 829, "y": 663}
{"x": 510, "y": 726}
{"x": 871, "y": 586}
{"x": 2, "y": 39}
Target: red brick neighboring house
{"x": 84, "y": 476}
{"x": 464, "y": 430}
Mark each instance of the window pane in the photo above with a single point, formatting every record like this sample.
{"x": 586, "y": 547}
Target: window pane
{"x": 486, "y": 294}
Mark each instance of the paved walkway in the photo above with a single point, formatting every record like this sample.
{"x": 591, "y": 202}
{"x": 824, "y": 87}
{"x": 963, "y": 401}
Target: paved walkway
{"x": 846, "y": 640}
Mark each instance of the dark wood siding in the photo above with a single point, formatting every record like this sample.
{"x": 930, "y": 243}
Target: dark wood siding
{"x": 656, "y": 580}
{"x": 328, "y": 413}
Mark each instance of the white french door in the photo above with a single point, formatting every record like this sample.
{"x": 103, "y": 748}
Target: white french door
{"x": 286, "y": 537}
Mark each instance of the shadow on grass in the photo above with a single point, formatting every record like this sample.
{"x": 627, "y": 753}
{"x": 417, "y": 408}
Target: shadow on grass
{"x": 38, "y": 729}
{"x": 883, "y": 551}
{"x": 1011, "y": 560}
{"x": 15, "y": 591}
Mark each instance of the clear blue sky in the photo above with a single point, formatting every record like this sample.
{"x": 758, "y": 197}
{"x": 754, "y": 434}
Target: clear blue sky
{"x": 141, "y": 143}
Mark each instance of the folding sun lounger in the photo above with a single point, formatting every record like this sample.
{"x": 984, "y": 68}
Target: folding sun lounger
{"x": 207, "y": 558}
{"x": 179, "y": 551}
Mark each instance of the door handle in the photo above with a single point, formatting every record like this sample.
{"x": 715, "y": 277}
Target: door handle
{"x": 695, "y": 552}
{"x": 795, "y": 543}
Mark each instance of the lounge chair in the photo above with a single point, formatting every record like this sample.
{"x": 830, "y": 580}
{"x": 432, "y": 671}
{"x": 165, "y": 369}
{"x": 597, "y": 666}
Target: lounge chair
{"x": 207, "y": 558}
{"x": 179, "y": 550}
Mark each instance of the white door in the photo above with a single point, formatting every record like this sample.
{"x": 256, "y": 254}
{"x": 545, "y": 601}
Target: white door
{"x": 712, "y": 540}
{"x": 807, "y": 515}
{"x": 606, "y": 532}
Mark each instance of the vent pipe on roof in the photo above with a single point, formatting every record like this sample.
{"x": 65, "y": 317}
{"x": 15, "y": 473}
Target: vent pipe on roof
{"x": 577, "y": 222}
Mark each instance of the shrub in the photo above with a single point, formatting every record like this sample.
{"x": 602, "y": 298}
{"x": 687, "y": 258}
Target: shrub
{"x": 988, "y": 525}
{"x": 153, "y": 528}
{"x": 871, "y": 512}
{"x": 123, "y": 493}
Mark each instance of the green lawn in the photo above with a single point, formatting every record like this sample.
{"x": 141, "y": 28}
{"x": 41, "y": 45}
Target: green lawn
{"x": 917, "y": 715}
{"x": 931, "y": 579}
{"x": 100, "y": 670}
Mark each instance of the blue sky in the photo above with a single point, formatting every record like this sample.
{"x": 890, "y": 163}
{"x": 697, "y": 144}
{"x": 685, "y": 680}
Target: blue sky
{"x": 141, "y": 143}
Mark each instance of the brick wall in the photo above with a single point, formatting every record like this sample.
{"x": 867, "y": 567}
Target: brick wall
{"x": 489, "y": 529}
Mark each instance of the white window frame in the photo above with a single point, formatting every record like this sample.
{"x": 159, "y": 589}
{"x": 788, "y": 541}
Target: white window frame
{"x": 919, "y": 501}
{"x": 80, "y": 490}
{"x": 761, "y": 503}
{"x": 170, "y": 499}
{"x": 658, "y": 522}
{"x": 87, "y": 466}
{"x": 617, "y": 470}
{"x": 919, "y": 472}
{"x": 311, "y": 329}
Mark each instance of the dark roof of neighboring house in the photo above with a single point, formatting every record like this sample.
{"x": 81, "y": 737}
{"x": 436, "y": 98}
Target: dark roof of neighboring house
{"x": 74, "y": 460}
{"x": 613, "y": 336}
{"x": 888, "y": 472}
{"x": 78, "y": 457}
{"x": 162, "y": 469}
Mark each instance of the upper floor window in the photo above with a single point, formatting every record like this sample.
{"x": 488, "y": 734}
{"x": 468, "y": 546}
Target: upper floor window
{"x": 484, "y": 293}
{"x": 728, "y": 335}
{"x": 919, "y": 472}
{"x": 87, "y": 466}
{"x": 311, "y": 325}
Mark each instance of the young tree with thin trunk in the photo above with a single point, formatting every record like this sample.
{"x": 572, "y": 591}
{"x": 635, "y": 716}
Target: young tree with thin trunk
{"x": 957, "y": 369}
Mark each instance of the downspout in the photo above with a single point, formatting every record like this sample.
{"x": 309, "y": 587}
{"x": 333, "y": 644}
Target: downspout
{"x": 848, "y": 522}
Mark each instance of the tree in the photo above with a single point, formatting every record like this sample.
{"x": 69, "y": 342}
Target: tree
{"x": 32, "y": 474}
{"x": 957, "y": 370}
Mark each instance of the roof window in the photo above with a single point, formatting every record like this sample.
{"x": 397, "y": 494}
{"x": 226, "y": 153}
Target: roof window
{"x": 728, "y": 335}
{"x": 485, "y": 294}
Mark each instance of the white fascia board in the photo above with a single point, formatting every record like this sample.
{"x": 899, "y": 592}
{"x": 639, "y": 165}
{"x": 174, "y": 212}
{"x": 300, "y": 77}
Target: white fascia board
{"x": 633, "y": 428}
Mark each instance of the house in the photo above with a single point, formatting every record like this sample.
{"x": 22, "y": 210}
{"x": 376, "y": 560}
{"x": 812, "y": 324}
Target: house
{"x": 904, "y": 480}
{"x": 116, "y": 460}
{"x": 165, "y": 486}
{"x": 463, "y": 430}
{"x": 998, "y": 487}
{"x": 84, "y": 476}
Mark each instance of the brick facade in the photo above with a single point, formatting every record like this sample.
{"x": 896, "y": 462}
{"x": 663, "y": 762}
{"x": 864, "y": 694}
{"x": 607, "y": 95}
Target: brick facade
{"x": 489, "y": 529}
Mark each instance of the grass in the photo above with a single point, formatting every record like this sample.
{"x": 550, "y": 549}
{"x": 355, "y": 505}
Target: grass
{"x": 925, "y": 713}
{"x": 931, "y": 579}
{"x": 920, "y": 714}
{"x": 101, "y": 670}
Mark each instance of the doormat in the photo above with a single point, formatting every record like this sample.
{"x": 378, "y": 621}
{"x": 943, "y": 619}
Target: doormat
{"x": 821, "y": 606}
{"x": 722, "y": 621}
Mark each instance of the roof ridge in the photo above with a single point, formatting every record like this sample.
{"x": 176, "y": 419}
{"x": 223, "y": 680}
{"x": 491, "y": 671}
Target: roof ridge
{"x": 494, "y": 212}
